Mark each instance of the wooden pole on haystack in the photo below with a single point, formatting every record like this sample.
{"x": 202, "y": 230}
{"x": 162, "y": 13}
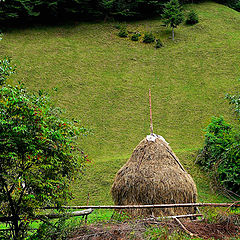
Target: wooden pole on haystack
{"x": 150, "y": 105}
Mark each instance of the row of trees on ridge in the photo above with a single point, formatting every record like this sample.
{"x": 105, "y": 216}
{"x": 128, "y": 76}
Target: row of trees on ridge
{"x": 12, "y": 11}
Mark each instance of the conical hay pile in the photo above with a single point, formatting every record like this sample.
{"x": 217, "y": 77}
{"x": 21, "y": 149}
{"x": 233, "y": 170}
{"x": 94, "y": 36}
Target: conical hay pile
{"x": 153, "y": 175}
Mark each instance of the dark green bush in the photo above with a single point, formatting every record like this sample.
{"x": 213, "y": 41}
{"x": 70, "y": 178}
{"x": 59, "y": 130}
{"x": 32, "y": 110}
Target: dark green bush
{"x": 218, "y": 138}
{"x": 117, "y": 26}
{"x": 148, "y": 37}
{"x": 123, "y": 33}
{"x": 237, "y": 6}
{"x": 59, "y": 229}
{"x": 135, "y": 37}
{"x": 221, "y": 153}
{"x": 192, "y": 18}
{"x": 158, "y": 43}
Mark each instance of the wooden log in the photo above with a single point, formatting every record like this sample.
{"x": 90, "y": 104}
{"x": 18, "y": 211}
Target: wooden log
{"x": 151, "y": 206}
{"x": 184, "y": 228}
{"x": 53, "y": 215}
{"x": 179, "y": 216}
{"x": 68, "y": 214}
{"x": 150, "y": 107}
{"x": 173, "y": 217}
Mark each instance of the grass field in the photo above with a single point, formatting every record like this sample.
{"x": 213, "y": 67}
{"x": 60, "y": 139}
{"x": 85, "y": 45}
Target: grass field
{"x": 104, "y": 80}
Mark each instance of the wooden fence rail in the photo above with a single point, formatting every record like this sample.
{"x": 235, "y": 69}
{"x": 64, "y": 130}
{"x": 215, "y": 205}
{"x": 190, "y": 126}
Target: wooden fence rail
{"x": 53, "y": 215}
{"x": 89, "y": 209}
{"x": 236, "y": 204}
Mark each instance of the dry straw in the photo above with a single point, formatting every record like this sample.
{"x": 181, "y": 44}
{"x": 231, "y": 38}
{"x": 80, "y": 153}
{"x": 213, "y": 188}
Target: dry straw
{"x": 154, "y": 175}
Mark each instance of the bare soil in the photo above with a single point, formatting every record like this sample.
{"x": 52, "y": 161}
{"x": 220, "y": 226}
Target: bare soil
{"x": 136, "y": 229}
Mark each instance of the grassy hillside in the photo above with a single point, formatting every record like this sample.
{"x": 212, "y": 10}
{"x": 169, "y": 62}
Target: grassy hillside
{"x": 104, "y": 80}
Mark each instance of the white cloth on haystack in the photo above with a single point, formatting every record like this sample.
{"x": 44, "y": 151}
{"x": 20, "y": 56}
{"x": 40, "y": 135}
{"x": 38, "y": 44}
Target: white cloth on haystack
{"x": 153, "y": 137}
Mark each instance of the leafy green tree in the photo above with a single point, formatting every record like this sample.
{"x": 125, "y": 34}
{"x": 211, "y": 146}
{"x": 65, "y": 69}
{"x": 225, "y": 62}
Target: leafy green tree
{"x": 172, "y": 15}
{"x": 39, "y": 156}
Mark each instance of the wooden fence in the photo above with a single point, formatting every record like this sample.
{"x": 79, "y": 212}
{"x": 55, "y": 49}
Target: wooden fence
{"x": 89, "y": 209}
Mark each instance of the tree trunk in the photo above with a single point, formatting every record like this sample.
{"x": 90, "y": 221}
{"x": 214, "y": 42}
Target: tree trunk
{"x": 15, "y": 228}
{"x": 173, "y": 34}
{"x": 106, "y": 17}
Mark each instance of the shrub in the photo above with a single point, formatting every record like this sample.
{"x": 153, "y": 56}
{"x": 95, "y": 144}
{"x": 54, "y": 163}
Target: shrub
{"x": 218, "y": 138}
{"x": 158, "y": 43}
{"x": 192, "y": 18}
{"x": 221, "y": 153}
{"x": 148, "y": 37}
{"x": 123, "y": 33}
{"x": 117, "y": 26}
{"x": 135, "y": 36}
{"x": 52, "y": 230}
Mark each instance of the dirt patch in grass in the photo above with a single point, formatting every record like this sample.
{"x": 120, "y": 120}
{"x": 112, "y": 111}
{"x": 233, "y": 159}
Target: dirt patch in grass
{"x": 161, "y": 230}
{"x": 213, "y": 230}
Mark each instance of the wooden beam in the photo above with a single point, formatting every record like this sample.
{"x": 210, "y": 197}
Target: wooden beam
{"x": 184, "y": 228}
{"x": 151, "y": 206}
{"x": 181, "y": 216}
{"x": 53, "y": 215}
{"x": 150, "y": 106}
{"x": 68, "y": 214}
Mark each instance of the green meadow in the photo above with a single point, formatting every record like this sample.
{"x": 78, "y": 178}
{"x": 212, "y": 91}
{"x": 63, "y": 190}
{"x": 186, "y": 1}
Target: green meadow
{"x": 103, "y": 80}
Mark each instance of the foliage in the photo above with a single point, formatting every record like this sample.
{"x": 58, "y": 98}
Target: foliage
{"x": 221, "y": 153}
{"x": 135, "y": 36}
{"x": 192, "y": 18}
{"x": 54, "y": 230}
{"x": 148, "y": 37}
{"x": 235, "y": 4}
{"x": 235, "y": 101}
{"x": 118, "y": 26}
{"x": 38, "y": 157}
{"x": 123, "y": 33}
{"x": 6, "y": 69}
{"x": 12, "y": 11}
{"x": 218, "y": 138}
{"x": 172, "y": 14}
{"x": 158, "y": 43}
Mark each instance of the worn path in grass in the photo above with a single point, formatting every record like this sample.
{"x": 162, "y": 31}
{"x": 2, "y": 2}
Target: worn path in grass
{"x": 104, "y": 80}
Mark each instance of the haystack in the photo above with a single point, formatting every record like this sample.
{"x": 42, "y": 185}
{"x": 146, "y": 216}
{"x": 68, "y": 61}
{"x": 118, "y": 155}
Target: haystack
{"x": 154, "y": 175}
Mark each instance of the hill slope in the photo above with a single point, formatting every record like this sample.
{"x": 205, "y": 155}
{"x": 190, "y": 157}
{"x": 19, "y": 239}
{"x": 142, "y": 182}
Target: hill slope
{"x": 104, "y": 80}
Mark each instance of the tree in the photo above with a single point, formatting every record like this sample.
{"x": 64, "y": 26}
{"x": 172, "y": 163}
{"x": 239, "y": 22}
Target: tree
{"x": 39, "y": 156}
{"x": 172, "y": 15}
{"x": 106, "y": 7}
